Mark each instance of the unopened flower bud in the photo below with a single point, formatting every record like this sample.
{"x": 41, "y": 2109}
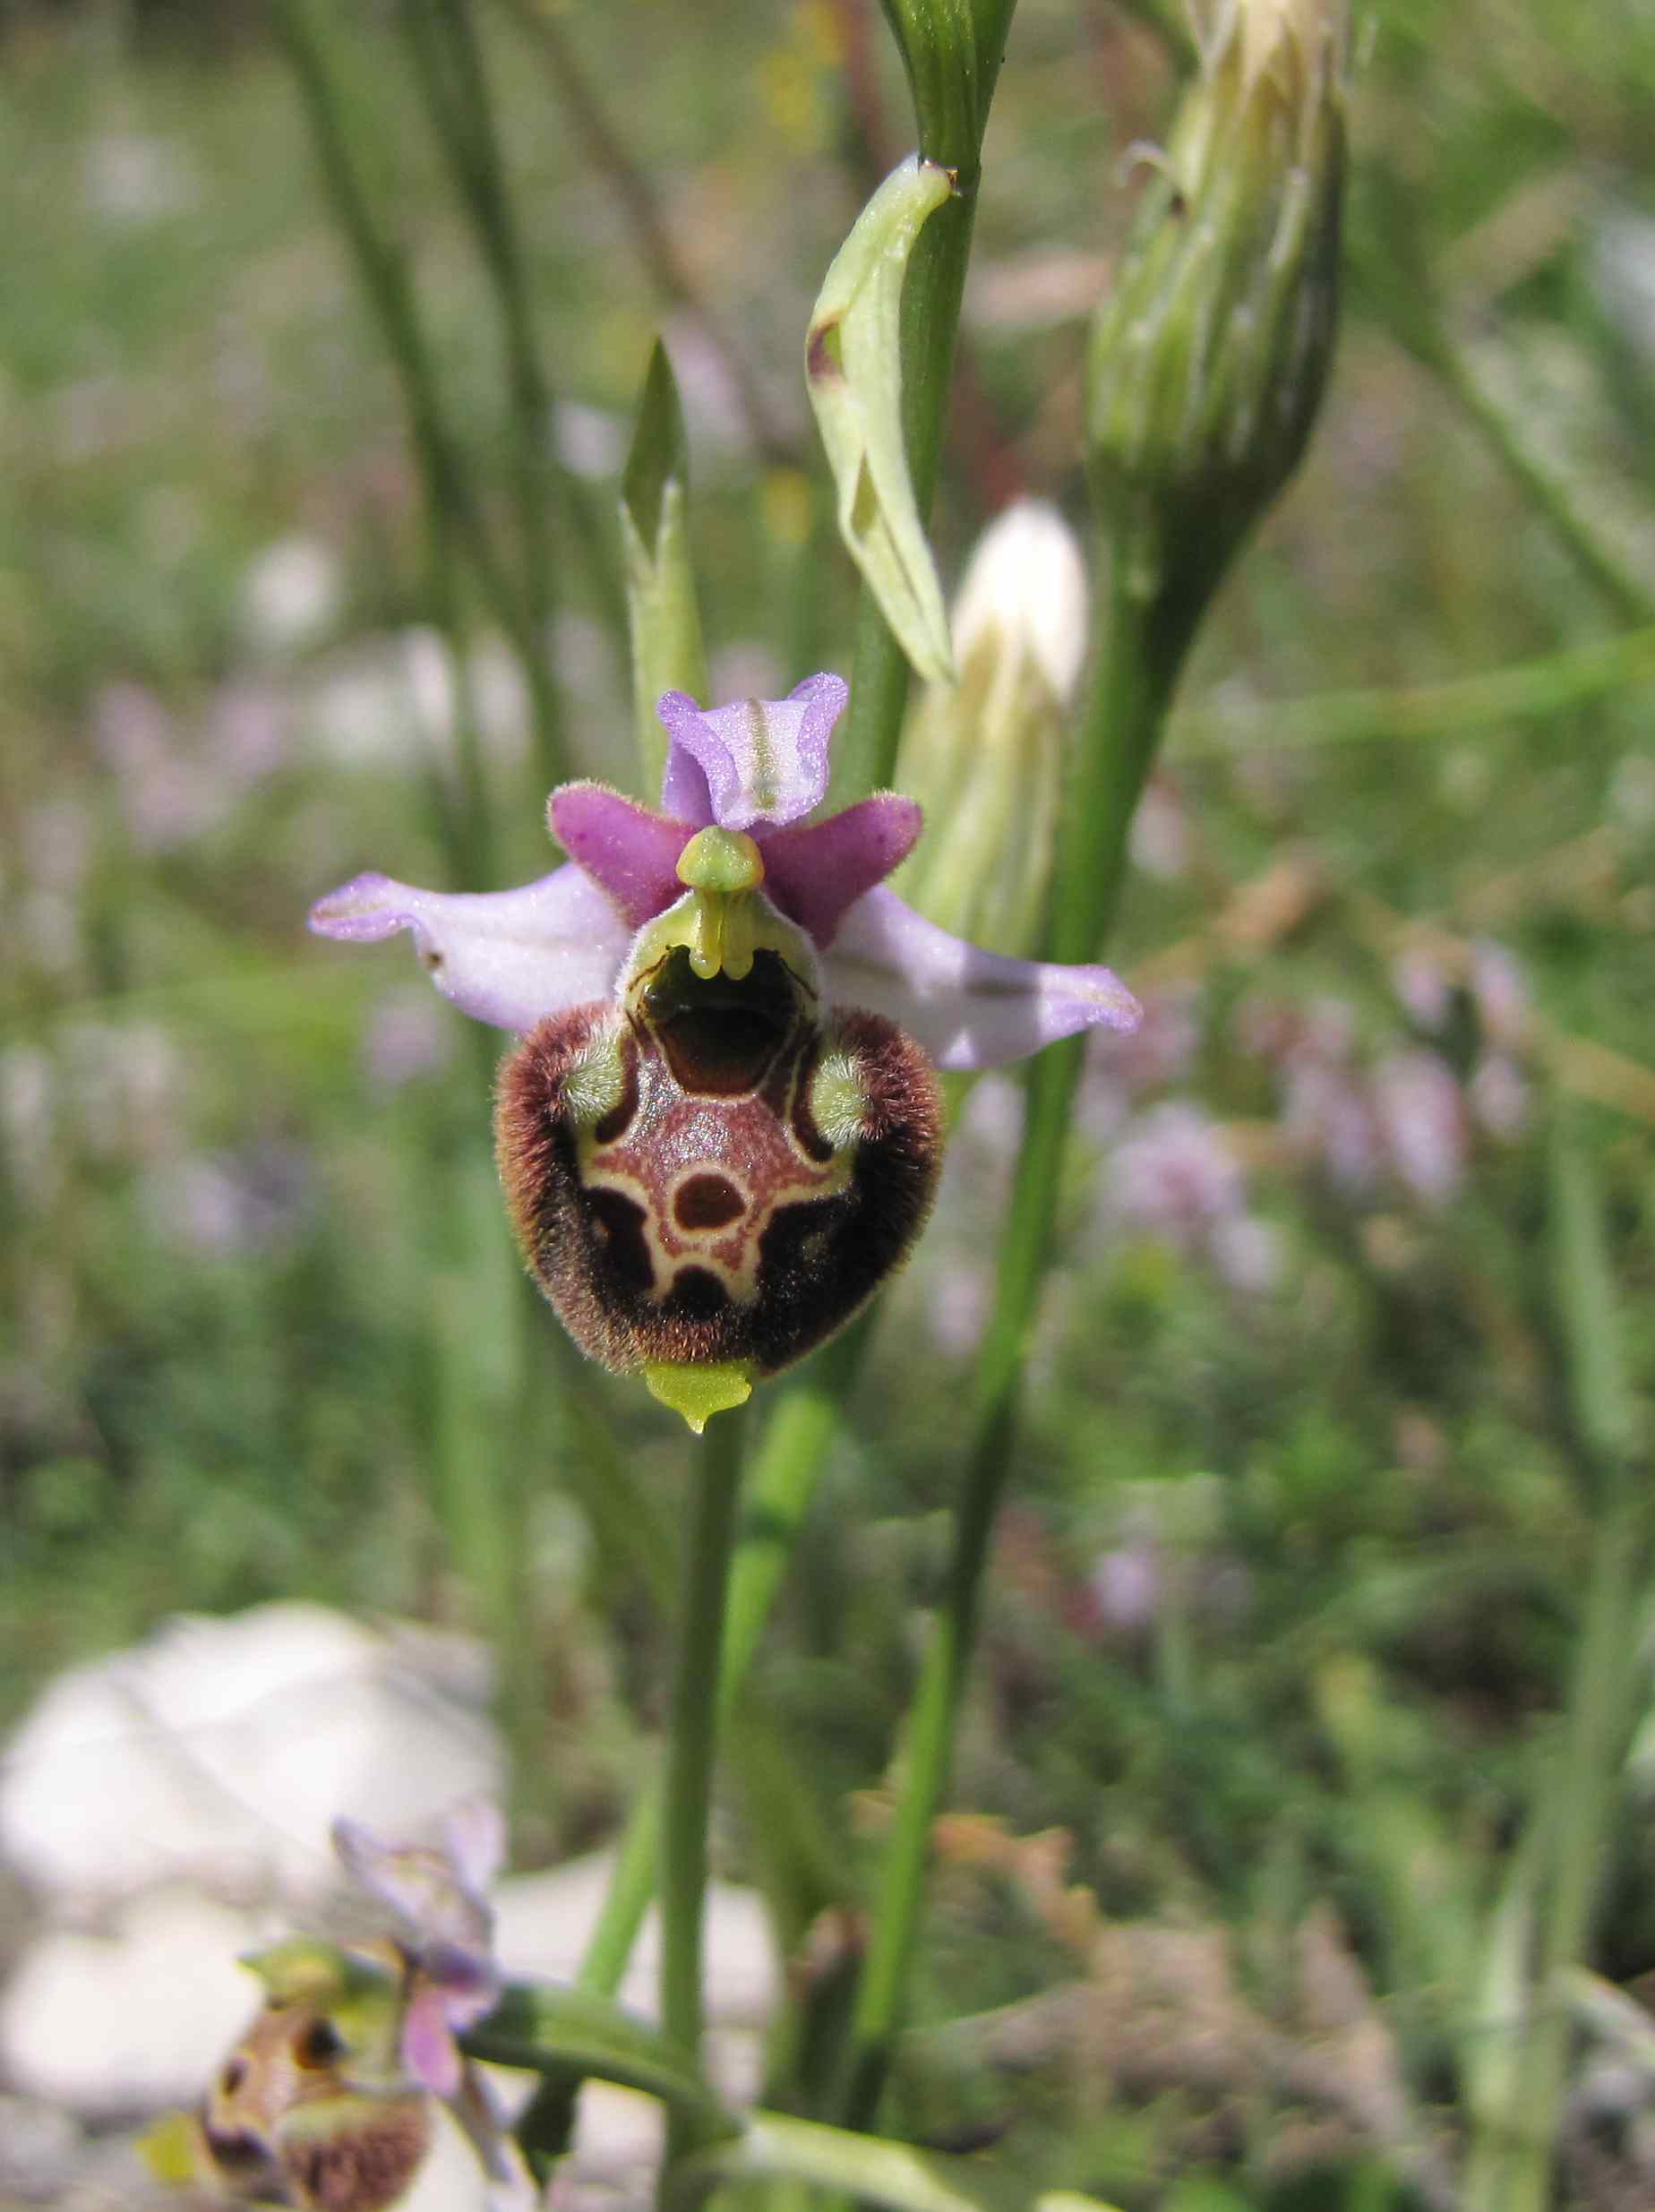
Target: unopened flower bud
{"x": 1210, "y": 353}
{"x": 984, "y": 756}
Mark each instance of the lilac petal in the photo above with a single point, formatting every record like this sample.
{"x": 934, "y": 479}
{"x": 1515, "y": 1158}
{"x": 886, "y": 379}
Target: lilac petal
{"x": 429, "y": 2050}
{"x": 815, "y": 870}
{"x": 967, "y": 1009}
{"x": 468, "y": 1986}
{"x": 427, "y": 1889}
{"x": 765, "y": 760}
{"x": 630, "y": 851}
{"x": 508, "y": 957}
{"x": 684, "y": 795}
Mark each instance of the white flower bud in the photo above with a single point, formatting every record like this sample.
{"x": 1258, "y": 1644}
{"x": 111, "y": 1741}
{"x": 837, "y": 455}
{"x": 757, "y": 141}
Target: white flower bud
{"x": 1027, "y": 583}
{"x": 985, "y": 756}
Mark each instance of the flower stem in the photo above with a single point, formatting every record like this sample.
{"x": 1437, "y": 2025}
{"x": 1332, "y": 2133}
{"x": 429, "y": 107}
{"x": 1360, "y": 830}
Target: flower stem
{"x": 388, "y": 287}
{"x": 691, "y": 1741}
{"x": 1398, "y": 282}
{"x": 1565, "y": 505}
{"x": 1550, "y": 685}
{"x": 609, "y": 157}
{"x": 782, "y": 1481}
{"x": 1575, "y": 1804}
{"x": 1144, "y": 640}
{"x": 446, "y": 50}
{"x": 382, "y": 271}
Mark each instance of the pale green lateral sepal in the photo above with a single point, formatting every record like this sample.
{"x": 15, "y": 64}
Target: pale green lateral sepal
{"x": 853, "y": 372}
{"x": 664, "y": 614}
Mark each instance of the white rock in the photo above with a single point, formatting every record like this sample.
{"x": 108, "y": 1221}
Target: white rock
{"x": 223, "y": 1749}
{"x": 542, "y": 1922}
{"x": 131, "y": 2020}
{"x": 452, "y": 2178}
{"x": 40, "y": 2148}
{"x": 618, "y": 2140}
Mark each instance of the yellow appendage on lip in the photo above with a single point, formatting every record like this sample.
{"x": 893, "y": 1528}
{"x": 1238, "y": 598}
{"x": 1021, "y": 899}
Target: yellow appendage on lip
{"x": 721, "y": 868}
{"x": 698, "y": 1393}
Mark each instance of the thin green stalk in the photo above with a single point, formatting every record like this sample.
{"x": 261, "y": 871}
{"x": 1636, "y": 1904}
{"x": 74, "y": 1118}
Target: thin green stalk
{"x": 782, "y": 1481}
{"x": 1144, "y": 648}
{"x": 385, "y": 278}
{"x": 1585, "y": 1791}
{"x": 1579, "y": 1801}
{"x": 1397, "y": 279}
{"x": 691, "y": 1741}
{"x": 442, "y": 38}
{"x": 473, "y": 813}
{"x": 608, "y": 154}
{"x": 1545, "y": 484}
{"x": 1548, "y": 685}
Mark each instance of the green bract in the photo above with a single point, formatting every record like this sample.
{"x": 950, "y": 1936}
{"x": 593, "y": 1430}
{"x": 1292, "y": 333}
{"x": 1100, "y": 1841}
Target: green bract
{"x": 664, "y": 616}
{"x": 852, "y": 364}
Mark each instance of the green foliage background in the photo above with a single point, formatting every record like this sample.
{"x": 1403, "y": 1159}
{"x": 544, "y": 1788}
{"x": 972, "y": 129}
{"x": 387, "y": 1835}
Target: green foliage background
{"x": 258, "y": 1331}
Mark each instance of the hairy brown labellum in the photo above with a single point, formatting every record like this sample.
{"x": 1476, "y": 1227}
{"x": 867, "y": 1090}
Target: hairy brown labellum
{"x": 712, "y": 1172}
{"x": 285, "y": 2119}
{"x": 358, "y": 2154}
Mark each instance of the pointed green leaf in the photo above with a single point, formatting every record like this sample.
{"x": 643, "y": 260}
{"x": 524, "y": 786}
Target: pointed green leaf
{"x": 663, "y": 614}
{"x": 852, "y": 366}
{"x": 772, "y": 2147}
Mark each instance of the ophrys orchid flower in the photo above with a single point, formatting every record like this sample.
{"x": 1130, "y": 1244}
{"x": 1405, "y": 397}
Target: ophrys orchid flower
{"x": 348, "y": 2090}
{"x": 722, "y": 1131}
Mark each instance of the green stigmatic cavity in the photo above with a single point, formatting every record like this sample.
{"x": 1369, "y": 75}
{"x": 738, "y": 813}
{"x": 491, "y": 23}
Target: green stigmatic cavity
{"x": 710, "y": 1173}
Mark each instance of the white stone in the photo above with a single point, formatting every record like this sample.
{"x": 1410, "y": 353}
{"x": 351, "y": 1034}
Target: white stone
{"x": 542, "y": 1924}
{"x": 40, "y": 2148}
{"x": 222, "y": 1750}
{"x": 138, "y": 2018}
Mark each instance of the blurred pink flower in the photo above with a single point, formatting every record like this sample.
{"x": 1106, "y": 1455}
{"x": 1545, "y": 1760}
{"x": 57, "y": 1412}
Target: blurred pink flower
{"x": 437, "y": 1895}
{"x": 1420, "y": 1115}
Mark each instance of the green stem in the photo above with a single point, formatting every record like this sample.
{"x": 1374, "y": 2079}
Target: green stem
{"x": 385, "y": 278}
{"x": 1396, "y": 276}
{"x": 474, "y": 837}
{"x": 609, "y": 157}
{"x": 1579, "y": 1801}
{"x": 691, "y": 1742}
{"x": 782, "y": 1479}
{"x": 1547, "y": 685}
{"x": 445, "y": 44}
{"x": 1545, "y": 484}
{"x": 1143, "y": 646}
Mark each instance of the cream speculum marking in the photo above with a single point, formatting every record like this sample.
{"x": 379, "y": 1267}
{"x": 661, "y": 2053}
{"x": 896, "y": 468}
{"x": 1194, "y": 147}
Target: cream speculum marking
{"x": 712, "y": 1133}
